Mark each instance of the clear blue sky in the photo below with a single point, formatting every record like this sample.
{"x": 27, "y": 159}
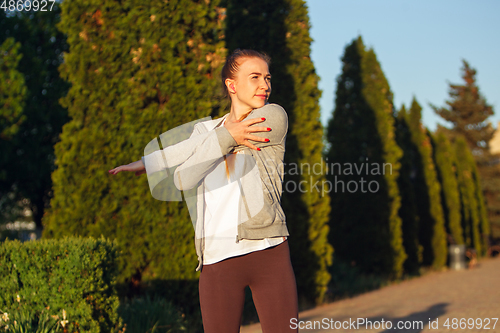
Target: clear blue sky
{"x": 419, "y": 44}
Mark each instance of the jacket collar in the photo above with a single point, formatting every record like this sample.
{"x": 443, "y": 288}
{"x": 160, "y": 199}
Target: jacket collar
{"x": 211, "y": 124}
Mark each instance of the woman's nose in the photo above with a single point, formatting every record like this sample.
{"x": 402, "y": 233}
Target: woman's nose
{"x": 265, "y": 85}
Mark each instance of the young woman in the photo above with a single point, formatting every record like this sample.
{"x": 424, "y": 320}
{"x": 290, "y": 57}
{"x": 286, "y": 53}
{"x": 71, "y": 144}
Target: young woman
{"x": 240, "y": 231}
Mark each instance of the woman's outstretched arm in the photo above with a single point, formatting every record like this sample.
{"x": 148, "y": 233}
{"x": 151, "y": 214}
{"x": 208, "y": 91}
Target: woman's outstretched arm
{"x": 137, "y": 167}
{"x": 239, "y": 132}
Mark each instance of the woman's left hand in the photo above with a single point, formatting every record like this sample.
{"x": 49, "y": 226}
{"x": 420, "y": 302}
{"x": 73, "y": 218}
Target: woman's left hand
{"x": 241, "y": 131}
{"x": 137, "y": 167}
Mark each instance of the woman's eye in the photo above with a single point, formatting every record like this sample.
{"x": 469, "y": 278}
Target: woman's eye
{"x": 255, "y": 77}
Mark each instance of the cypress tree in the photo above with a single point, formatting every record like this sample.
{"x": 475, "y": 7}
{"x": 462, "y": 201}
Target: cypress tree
{"x": 281, "y": 29}
{"x": 470, "y": 204}
{"x": 12, "y": 100}
{"x": 12, "y": 89}
{"x": 366, "y": 228}
{"x": 406, "y": 180}
{"x": 484, "y": 223}
{"x": 28, "y": 158}
{"x": 137, "y": 69}
{"x": 445, "y": 161}
{"x": 432, "y": 234}
{"x": 467, "y": 111}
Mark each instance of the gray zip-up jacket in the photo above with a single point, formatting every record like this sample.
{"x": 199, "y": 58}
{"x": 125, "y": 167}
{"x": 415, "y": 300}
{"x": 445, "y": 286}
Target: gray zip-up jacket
{"x": 260, "y": 178}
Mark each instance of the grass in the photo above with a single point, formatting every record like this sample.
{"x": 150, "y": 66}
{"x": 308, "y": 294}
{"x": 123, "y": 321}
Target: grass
{"x": 154, "y": 315}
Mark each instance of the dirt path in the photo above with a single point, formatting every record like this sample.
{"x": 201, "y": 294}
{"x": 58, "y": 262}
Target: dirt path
{"x": 429, "y": 300}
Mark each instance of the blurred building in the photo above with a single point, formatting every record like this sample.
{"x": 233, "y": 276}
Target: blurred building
{"x": 495, "y": 141}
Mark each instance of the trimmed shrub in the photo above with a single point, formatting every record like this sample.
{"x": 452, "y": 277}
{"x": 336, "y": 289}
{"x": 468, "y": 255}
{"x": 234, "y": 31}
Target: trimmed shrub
{"x": 72, "y": 274}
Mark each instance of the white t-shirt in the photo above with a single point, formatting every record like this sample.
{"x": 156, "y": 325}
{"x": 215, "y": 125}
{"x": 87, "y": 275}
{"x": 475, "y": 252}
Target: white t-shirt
{"x": 222, "y": 197}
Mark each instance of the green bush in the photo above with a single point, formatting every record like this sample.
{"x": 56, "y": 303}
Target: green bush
{"x": 76, "y": 275}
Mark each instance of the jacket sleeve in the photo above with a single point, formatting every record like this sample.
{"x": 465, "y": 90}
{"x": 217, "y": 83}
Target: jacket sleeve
{"x": 174, "y": 155}
{"x": 276, "y": 119}
{"x": 204, "y": 158}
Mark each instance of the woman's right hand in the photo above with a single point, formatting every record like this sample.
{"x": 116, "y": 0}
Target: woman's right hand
{"x": 241, "y": 131}
{"x": 137, "y": 167}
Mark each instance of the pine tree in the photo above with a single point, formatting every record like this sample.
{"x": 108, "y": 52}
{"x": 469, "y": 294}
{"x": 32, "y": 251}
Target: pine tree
{"x": 365, "y": 226}
{"x": 468, "y": 113}
{"x": 281, "y": 29}
{"x": 444, "y": 158}
{"x": 406, "y": 180}
{"x": 432, "y": 234}
{"x": 137, "y": 69}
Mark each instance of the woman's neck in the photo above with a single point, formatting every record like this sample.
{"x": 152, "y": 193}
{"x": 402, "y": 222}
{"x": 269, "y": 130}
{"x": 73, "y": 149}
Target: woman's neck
{"x": 239, "y": 112}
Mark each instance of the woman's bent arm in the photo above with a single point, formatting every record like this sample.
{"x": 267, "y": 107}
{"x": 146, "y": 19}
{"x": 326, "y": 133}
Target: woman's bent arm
{"x": 205, "y": 158}
{"x": 276, "y": 119}
{"x": 190, "y": 173}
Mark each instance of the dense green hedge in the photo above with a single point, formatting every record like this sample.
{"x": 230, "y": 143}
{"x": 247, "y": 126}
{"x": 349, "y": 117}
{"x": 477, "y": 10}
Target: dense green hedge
{"x": 72, "y": 274}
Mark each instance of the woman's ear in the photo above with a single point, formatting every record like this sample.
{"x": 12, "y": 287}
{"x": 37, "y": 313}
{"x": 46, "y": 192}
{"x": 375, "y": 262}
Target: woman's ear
{"x": 230, "y": 86}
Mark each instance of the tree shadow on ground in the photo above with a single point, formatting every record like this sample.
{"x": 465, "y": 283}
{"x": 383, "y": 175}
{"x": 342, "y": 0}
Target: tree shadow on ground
{"x": 414, "y": 322}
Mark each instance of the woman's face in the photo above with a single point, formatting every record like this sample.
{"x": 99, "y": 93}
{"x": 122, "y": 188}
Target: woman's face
{"x": 252, "y": 84}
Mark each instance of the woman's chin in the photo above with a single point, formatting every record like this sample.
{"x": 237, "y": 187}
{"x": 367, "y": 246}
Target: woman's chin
{"x": 259, "y": 104}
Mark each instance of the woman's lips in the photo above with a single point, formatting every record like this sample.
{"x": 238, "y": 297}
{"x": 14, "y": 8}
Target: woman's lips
{"x": 261, "y": 96}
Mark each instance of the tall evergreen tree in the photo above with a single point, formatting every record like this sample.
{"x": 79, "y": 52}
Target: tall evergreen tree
{"x": 12, "y": 100}
{"x": 12, "y": 90}
{"x": 365, "y": 226}
{"x": 28, "y": 158}
{"x": 432, "y": 234}
{"x": 137, "y": 69}
{"x": 445, "y": 160}
{"x": 406, "y": 180}
{"x": 467, "y": 111}
{"x": 281, "y": 29}
{"x": 470, "y": 204}
{"x": 484, "y": 222}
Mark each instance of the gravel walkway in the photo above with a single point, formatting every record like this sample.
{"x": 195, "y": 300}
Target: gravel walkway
{"x": 435, "y": 298}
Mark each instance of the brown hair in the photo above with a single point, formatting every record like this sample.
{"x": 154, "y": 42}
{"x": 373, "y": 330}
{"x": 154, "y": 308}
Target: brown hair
{"x": 231, "y": 66}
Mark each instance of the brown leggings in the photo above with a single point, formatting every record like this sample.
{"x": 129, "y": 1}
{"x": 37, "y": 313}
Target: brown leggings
{"x": 269, "y": 275}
